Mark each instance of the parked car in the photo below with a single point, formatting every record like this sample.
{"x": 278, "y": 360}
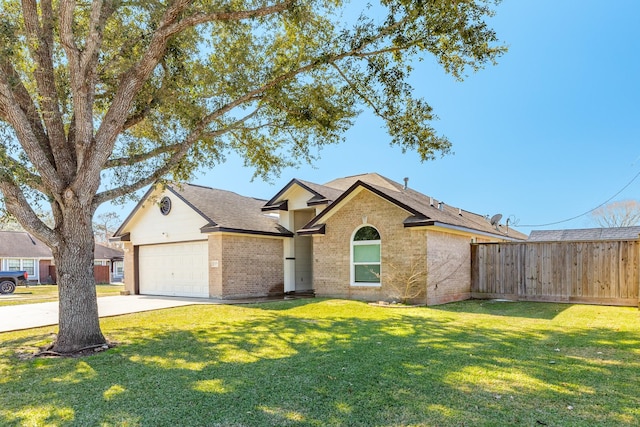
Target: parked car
{"x": 10, "y": 279}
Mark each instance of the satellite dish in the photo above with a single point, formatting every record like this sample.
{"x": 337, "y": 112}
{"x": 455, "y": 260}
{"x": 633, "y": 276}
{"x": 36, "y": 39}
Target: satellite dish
{"x": 495, "y": 219}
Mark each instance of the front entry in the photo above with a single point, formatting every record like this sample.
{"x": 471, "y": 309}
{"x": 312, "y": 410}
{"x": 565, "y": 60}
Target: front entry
{"x": 299, "y": 255}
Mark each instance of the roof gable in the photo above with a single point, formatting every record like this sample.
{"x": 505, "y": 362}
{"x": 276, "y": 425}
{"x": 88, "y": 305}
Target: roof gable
{"x": 213, "y": 210}
{"x": 316, "y": 195}
{"x": 375, "y": 179}
{"x": 423, "y": 210}
{"x": 346, "y": 197}
{"x": 146, "y": 223}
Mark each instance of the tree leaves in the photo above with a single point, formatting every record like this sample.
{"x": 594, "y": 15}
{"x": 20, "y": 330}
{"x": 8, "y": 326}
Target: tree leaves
{"x": 175, "y": 87}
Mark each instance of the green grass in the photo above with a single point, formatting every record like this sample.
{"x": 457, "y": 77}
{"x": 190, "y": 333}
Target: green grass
{"x": 338, "y": 363}
{"x": 47, "y": 293}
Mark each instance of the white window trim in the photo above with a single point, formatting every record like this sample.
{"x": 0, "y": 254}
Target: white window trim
{"x": 118, "y": 267}
{"x": 36, "y": 266}
{"x": 352, "y": 263}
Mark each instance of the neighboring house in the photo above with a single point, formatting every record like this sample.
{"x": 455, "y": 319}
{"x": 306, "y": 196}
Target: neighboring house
{"x": 347, "y": 238}
{"x": 21, "y": 251}
{"x": 112, "y": 258}
{"x": 586, "y": 234}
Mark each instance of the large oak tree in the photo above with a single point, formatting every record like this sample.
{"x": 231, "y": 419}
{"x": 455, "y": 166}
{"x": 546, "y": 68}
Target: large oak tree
{"x": 99, "y": 99}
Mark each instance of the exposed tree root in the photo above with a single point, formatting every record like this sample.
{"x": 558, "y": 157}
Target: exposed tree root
{"x": 81, "y": 352}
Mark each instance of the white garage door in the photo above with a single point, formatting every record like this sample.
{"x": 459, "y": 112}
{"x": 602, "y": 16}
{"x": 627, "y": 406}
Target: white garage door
{"x": 177, "y": 269}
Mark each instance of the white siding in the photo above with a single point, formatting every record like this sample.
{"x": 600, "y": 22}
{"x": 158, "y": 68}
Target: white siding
{"x": 182, "y": 224}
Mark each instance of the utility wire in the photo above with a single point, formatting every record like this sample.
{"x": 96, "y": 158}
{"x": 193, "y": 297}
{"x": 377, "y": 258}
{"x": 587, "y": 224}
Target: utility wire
{"x": 587, "y": 212}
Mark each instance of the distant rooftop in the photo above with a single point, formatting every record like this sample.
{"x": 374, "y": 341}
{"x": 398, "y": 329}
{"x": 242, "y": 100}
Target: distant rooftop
{"x": 585, "y": 234}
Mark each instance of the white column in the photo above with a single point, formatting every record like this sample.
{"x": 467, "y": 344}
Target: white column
{"x": 286, "y": 220}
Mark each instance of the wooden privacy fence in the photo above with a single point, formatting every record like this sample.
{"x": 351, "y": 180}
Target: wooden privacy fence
{"x": 596, "y": 272}
{"x": 100, "y": 273}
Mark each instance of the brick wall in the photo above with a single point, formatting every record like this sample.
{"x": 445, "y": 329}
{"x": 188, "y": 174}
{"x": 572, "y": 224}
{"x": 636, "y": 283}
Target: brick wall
{"x": 215, "y": 273}
{"x": 449, "y": 267}
{"x": 332, "y": 251}
{"x": 246, "y": 266}
{"x": 129, "y": 270}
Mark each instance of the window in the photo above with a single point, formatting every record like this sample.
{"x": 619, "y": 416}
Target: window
{"x": 165, "y": 205}
{"x": 13, "y": 264}
{"x": 365, "y": 257}
{"x": 118, "y": 267}
{"x": 27, "y": 265}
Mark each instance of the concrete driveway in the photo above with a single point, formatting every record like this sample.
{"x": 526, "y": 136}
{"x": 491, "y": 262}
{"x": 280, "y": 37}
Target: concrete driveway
{"x": 25, "y": 316}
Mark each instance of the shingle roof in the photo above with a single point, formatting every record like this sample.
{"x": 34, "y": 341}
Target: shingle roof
{"x": 228, "y": 211}
{"x": 425, "y": 210}
{"x": 322, "y": 194}
{"x": 585, "y": 234}
{"x": 20, "y": 244}
{"x": 328, "y": 192}
{"x": 105, "y": 252}
{"x": 370, "y": 178}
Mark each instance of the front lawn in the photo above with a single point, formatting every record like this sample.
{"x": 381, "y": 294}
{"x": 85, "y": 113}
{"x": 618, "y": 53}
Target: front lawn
{"x": 338, "y": 363}
{"x": 47, "y": 293}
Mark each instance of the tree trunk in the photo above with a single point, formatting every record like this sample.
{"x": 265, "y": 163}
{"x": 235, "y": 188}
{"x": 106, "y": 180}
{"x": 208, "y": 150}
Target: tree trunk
{"x": 79, "y": 325}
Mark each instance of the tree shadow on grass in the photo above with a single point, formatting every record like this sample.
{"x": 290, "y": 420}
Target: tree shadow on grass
{"x": 349, "y": 365}
{"x": 529, "y": 310}
{"x": 285, "y": 304}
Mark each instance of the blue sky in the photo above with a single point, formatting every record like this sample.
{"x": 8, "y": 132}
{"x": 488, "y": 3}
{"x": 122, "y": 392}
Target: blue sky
{"x": 549, "y": 133}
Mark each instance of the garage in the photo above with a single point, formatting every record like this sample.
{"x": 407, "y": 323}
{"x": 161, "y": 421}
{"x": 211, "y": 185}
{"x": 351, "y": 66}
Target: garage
{"x": 196, "y": 241}
{"x": 176, "y": 269}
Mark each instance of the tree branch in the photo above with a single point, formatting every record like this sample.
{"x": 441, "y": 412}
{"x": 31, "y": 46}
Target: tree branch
{"x": 200, "y": 128}
{"x": 201, "y": 18}
{"x": 9, "y": 74}
{"x": 364, "y": 97}
{"x": 130, "y": 83}
{"x": 82, "y": 83}
{"x": 41, "y": 48}
{"x": 20, "y": 208}
{"x": 179, "y": 151}
{"x": 140, "y": 115}
{"x": 21, "y": 120}
{"x": 131, "y": 160}
{"x": 156, "y": 175}
{"x": 67, "y": 7}
{"x": 100, "y": 12}
{"x": 134, "y": 78}
{"x": 32, "y": 180}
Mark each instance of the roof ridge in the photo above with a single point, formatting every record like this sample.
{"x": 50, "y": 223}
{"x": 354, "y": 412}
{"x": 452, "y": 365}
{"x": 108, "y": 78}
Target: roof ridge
{"x": 196, "y": 185}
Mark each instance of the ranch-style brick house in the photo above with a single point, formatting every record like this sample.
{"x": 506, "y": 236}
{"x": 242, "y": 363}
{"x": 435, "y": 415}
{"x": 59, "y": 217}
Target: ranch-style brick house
{"x": 354, "y": 237}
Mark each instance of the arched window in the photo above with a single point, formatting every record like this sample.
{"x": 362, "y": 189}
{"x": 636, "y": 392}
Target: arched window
{"x": 365, "y": 257}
